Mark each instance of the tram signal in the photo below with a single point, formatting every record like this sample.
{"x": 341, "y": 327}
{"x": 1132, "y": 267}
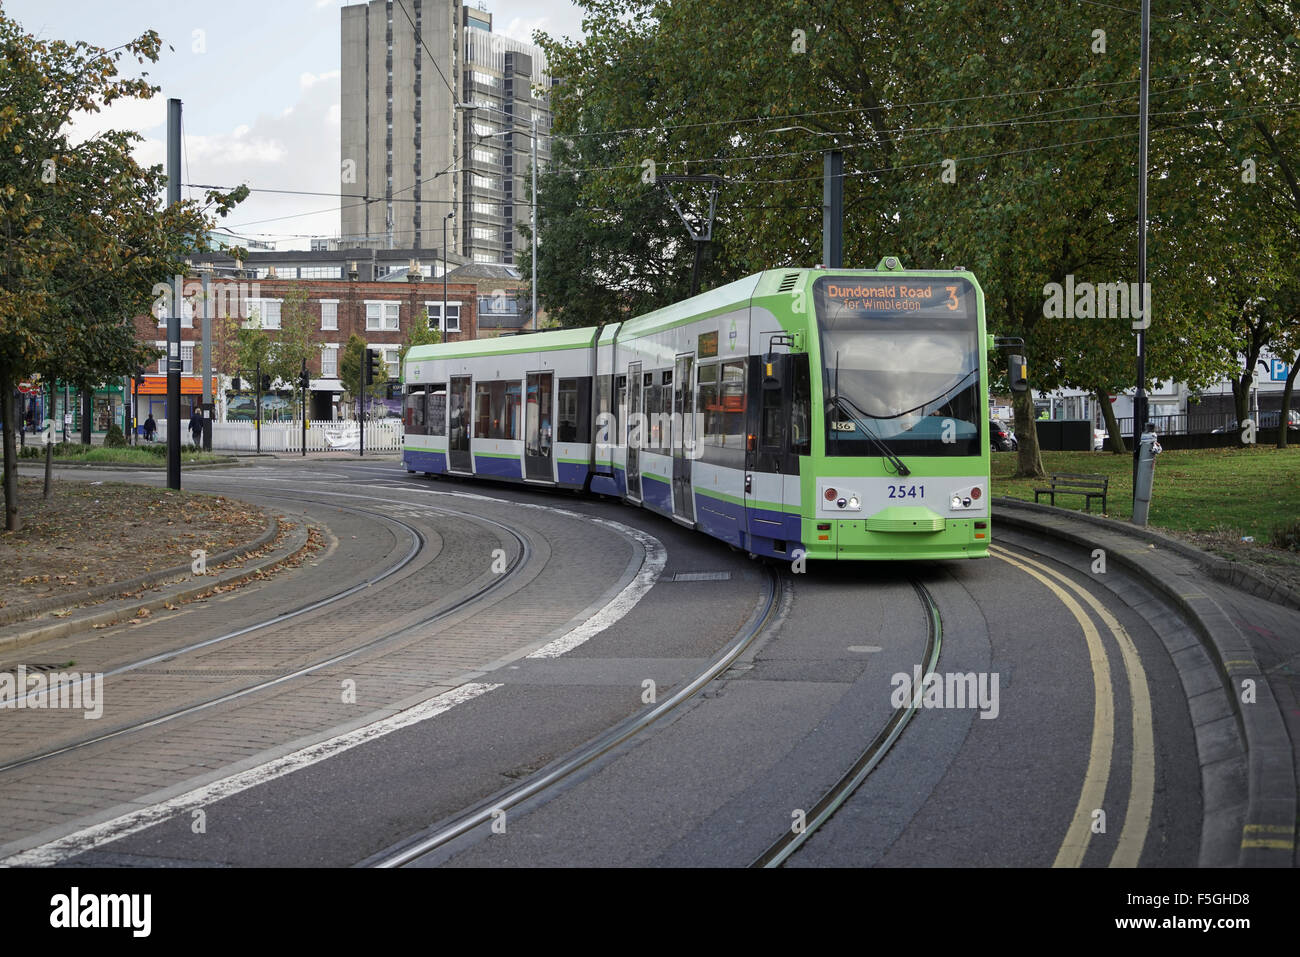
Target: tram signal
{"x": 373, "y": 369}
{"x": 1019, "y": 373}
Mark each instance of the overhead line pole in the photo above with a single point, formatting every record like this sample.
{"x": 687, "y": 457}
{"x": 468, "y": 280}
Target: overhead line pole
{"x": 174, "y": 313}
{"x": 1140, "y": 398}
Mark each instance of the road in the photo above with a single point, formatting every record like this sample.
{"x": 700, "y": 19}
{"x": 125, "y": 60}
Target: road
{"x": 494, "y": 682}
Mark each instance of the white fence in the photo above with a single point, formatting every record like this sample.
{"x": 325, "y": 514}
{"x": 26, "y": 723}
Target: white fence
{"x": 382, "y": 435}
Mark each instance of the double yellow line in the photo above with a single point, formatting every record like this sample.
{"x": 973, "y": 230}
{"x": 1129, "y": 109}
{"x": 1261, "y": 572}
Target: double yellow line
{"x": 1137, "y": 814}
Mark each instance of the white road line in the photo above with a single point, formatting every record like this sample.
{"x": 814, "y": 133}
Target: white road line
{"x": 91, "y": 837}
{"x": 656, "y": 556}
{"x": 96, "y": 835}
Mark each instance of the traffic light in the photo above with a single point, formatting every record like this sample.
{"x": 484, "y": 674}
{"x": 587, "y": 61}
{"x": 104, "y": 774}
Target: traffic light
{"x": 304, "y": 379}
{"x": 266, "y": 382}
{"x": 374, "y": 369}
{"x": 235, "y": 383}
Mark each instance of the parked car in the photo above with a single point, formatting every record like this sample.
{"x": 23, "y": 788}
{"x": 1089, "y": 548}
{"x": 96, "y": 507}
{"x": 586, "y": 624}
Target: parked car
{"x": 1001, "y": 437}
{"x": 1267, "y": 420}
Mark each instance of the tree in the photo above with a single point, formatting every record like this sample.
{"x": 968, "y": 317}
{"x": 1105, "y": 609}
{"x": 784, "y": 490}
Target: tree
{"x": 419, "y": 334}
{"x": 82, "y": 235}
{"x": 350, "y": 362}
{"x": 295, "y": 341}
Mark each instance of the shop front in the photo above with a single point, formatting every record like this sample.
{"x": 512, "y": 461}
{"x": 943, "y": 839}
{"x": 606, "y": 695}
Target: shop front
{"x": 151, "y": 397}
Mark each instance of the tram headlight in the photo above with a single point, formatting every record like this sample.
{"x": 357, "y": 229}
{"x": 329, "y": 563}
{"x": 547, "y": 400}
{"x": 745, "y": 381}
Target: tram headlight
{"x": 854, "y": 502}
{"x": 956, "y": 501}
{"x": 841, "y": 503}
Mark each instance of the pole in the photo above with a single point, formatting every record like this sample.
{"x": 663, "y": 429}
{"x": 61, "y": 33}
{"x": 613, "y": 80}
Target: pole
{"x": 833, "y": 209}
{"x": 209, "y": 400}
{"x": 174, "y": 314}
{"x": 257, "y": 374}
{"x": 533, "y": 317}
{"x": 1140, "y": 398}
{"x": 304, "y": 408}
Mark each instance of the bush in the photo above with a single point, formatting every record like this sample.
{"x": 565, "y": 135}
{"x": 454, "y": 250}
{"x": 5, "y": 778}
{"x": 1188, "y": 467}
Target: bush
{"x": 1286, "y": 535}
{"x": 113, "y": 438}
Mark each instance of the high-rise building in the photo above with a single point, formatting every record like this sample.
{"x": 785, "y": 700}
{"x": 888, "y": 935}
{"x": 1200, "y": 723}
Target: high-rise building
{"x": 437, "y": 114}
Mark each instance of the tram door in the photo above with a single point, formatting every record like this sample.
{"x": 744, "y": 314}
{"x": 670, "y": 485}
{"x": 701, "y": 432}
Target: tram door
{"x": 539, "y": 429}
{"x": 636, "y": 431}
{"x": 458, "y": 425}
{"x": 684, "y": 437}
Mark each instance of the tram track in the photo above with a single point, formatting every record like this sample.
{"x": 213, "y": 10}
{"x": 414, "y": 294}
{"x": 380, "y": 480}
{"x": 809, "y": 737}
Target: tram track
{"x": 543, "y": 784}
{"x": 513, "y": 567}
{"x": 781, "y": 849}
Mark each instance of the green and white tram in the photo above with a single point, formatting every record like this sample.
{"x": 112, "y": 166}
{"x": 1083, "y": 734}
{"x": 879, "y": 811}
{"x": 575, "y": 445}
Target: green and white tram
{"x": 830, "y": 413}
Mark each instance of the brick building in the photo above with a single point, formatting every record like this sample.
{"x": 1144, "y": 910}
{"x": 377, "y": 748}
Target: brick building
{"x": 381, "y": 312}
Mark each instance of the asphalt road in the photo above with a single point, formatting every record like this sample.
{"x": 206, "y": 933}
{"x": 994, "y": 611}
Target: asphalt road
{"x": 1075, "y": 749}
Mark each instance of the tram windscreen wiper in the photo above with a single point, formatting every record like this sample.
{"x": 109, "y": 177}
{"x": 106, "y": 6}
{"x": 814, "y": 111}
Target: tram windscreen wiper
{"x": 942, "y": 396}
{"x": 849, "y": 408}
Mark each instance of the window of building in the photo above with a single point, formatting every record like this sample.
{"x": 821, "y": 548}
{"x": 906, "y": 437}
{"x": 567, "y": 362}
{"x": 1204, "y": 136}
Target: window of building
{"x": 391, "y": 354}
{"x": 485, "y": 182}
{"x": 484, "y": 258}
{"x": 435, "y": 316}
{"x": 484, "y": 232}
{"x": 329, "y": 313}
{"x": 267, "y": 310}
{"x": 187, "y": 359}
{"x": 486, "y": 209}
{"x": 382, "y": 316}
{"x": 329, "y": 362}
{"x": 484, "y": 156}
{"x": 162, "y": 360}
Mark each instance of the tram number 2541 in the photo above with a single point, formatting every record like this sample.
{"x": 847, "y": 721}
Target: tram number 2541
{"x": 907, "y": 491}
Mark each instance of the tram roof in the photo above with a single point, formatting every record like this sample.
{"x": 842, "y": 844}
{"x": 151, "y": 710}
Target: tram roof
{"x": 506, "y": 345}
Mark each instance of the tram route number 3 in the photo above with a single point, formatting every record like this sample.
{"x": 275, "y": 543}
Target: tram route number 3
{"x": 907, "y": 491}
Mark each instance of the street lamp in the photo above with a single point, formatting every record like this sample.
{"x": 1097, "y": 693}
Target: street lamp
{"x": 443, "y": 317}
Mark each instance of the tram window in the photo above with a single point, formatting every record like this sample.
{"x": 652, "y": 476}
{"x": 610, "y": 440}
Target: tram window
{"x": 436, "y": 420}
{"x": 413, "y": 414}
{"x": 620, "y": 408}
{"x": 496, "y": 410}
{"x": 732, "y": 393}
{"x": 708, "y": 405}
{"x": 801, "y": 408}
{"x": 567, "y": 420}
{"x": 482, "y": 410}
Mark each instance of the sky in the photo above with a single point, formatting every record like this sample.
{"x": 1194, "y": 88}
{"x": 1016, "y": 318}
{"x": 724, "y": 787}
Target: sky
{"x": 259, "y": 83}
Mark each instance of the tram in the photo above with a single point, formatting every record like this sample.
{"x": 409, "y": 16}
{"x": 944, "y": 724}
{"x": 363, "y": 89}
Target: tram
{"x": 819, "y": 413}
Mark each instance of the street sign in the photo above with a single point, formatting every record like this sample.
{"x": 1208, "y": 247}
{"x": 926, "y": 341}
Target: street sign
{"x": 1277, "y": 370}
{"x": 26, "y": 387}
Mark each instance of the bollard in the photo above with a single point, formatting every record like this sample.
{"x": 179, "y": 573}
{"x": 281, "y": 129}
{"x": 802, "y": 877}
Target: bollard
{"x": 1148, "y": 449}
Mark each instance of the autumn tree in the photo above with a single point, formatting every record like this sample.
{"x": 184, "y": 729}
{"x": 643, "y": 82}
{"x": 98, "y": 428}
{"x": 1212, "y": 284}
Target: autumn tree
{"x": 83, "y": 237}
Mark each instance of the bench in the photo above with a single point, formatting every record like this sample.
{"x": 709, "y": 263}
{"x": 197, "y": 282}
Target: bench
{"x": 1089, "y": 486}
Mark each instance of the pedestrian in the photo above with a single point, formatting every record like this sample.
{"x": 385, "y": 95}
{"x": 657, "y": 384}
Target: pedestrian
{"x": 150, "y": 427}
{"x": 196, "y": 427}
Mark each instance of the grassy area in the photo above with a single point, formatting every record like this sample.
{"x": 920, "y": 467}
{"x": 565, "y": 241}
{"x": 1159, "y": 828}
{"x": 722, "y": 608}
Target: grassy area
{"x": 1226, "y": 493}
{"x": 154, "y": 456}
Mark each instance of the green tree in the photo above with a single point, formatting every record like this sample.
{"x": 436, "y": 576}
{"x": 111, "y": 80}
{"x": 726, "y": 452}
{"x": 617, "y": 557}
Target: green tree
{"x": 350, "y": 363}
{"x": 419, "y": 334}
{"x": 295, "y": 341}
{"x": 82, "y": 233}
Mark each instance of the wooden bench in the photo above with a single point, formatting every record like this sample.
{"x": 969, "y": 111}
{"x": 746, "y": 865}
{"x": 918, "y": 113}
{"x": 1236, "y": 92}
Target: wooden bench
{"x": 1089, "y": 486}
